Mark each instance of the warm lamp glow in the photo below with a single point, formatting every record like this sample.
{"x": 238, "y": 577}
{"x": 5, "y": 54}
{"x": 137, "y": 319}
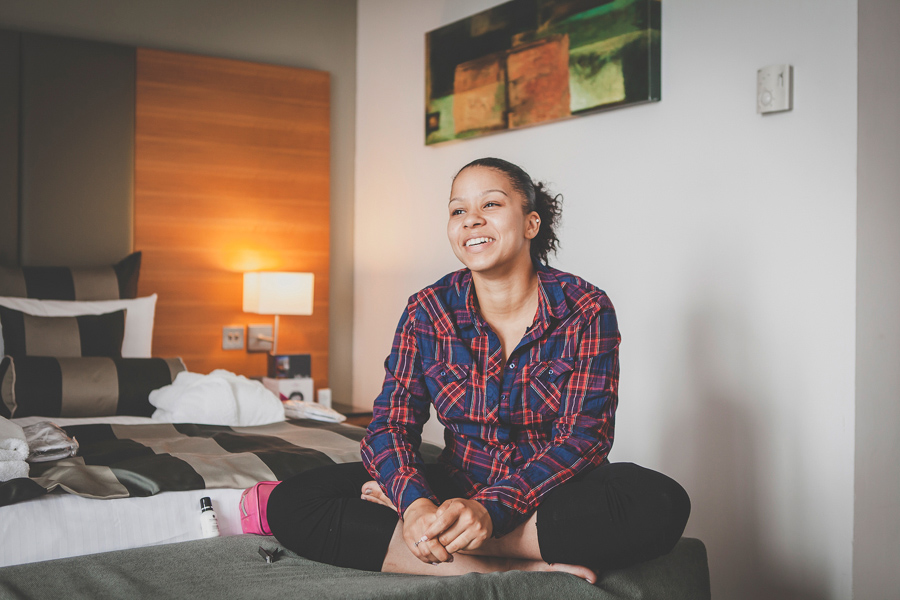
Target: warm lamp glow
{"x": 273, "y": 293}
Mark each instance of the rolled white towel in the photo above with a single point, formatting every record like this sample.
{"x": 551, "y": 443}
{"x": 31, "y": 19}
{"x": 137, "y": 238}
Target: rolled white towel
{"x": 13, "y": 469}
{"x": 255, "y": 404}
{"x": 220, "y": 398}
{"x": 13, "y": 446}
{"x": 195, "y": 398}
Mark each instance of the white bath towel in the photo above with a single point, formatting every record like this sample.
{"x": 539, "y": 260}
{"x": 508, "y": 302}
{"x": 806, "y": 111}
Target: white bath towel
{"x": 13, "y": 446}
{"x": 13, "y": 469}
{"x": 220, "y": 398}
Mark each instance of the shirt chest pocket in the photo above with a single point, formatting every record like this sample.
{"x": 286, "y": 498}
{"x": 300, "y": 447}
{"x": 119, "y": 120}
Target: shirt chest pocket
{"x": 448, "y": 384}
{"x": 544, "y": 385}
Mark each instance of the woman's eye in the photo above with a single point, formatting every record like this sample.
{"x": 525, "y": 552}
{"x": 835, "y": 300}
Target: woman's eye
{"x": 492, "y": 203}
{"x": 456, "y": 212}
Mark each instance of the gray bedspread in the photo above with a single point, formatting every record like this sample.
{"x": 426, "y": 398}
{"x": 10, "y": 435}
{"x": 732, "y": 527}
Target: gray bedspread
{"x": 231, "y": 567}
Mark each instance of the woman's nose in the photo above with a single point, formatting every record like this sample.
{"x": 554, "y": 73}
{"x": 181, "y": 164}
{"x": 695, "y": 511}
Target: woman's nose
{"x": 473, "y": 219}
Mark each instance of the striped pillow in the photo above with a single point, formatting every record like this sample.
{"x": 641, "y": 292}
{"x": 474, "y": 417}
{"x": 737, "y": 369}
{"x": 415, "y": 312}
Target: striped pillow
{"x": 82, "y": 387}
{"x": 85, "y": 335}
{"x": 73, "y": 283}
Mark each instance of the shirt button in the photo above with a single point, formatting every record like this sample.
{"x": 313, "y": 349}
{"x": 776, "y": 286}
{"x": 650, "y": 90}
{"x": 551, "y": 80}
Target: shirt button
{"x": 512, "y": 365}
{"x": 503, "y": 397}
{"x": 443, "y": 373}
{"x": 550, "y": 371}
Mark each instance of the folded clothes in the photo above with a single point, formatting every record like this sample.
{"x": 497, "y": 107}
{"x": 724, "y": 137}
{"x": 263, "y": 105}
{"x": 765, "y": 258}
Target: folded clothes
{"x": 49, "y": 442}
{"x": 220, "y": 398}
{"x": 13, "y": 469}
{"x": 13, "y": 446}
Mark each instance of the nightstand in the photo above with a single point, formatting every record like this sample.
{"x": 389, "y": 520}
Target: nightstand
{"x": 361, "y": 418}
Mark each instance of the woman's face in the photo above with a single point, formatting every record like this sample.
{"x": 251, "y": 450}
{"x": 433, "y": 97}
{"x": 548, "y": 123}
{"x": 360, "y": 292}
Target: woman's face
{"x": 488, "y": 228}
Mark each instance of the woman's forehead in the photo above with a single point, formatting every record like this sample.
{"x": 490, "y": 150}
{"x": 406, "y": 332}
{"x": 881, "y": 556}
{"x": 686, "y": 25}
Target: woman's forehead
{"x": 478, "y": 181}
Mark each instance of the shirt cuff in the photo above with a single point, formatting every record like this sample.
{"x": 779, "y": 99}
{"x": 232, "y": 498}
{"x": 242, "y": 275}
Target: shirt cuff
{"x": 411, "y": 489}
{"x": 503, "y": 518}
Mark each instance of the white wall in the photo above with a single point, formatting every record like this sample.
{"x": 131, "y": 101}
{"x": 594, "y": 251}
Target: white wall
{"x": 876, "y": 534}
{"x": 727, "y": 241}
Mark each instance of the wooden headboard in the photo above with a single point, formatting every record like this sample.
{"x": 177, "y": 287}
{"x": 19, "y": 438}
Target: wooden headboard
{"x": 231, "y": 175}
{"x": 211, "y": 167}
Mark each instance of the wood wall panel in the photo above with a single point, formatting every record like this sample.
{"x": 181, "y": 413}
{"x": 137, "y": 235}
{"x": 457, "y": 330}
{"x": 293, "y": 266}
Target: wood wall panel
{"x": 231, "y": 175}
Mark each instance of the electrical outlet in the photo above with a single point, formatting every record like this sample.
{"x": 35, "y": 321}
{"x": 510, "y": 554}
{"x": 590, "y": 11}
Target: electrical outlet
{"x": 232, "y": 338}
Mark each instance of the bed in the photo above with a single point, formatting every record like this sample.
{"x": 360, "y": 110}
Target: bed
{"x": 121, "y": 517}
{"x": 138, "y": 482}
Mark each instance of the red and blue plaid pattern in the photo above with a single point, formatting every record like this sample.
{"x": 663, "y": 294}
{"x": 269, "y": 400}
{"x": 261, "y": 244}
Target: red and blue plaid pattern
{"x": 514, "y": 430}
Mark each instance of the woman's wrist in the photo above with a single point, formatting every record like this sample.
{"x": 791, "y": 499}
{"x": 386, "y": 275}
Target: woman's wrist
{"x": 419, "y": 504}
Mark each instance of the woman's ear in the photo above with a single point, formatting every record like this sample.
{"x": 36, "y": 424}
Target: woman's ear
{"x": 532, "y": 225}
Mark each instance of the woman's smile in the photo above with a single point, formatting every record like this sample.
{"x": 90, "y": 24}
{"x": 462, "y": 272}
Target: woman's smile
{"x": 478, "y": 244}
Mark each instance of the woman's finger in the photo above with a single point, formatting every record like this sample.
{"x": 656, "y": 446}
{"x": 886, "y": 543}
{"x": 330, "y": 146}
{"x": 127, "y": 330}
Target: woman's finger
{"x": 460, "y": 542}
{"x": 429, "y": 551}
{"x": 464, "y": 535}
{"x": 448, "y": 516}
{"x": 437, "y": 552}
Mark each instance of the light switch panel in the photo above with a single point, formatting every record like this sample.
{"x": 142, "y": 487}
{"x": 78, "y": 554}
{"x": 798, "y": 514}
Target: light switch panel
{"x": 774, "y": 89}
{"x": 254, "y": 343}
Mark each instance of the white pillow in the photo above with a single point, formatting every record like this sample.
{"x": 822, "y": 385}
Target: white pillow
{"x": 139, "y": 316}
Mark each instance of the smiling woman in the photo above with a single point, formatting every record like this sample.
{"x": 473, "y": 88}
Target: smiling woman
{"x": 520, "y": 362}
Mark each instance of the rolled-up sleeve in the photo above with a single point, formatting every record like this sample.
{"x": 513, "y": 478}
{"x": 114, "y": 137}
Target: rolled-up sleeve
{"x": 390, "y": 449}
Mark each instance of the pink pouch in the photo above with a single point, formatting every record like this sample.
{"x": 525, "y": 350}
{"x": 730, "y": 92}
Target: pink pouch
{"x": 253, "y": 508}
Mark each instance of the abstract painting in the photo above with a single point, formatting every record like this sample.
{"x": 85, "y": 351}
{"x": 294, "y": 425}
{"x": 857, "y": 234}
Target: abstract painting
{"x": 527, "y": 62}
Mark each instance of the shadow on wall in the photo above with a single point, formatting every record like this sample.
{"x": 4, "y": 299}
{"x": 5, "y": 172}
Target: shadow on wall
{"x": 718, "y": 442}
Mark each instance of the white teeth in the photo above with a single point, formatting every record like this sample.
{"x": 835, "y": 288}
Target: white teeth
{"x": 481, "y": 240}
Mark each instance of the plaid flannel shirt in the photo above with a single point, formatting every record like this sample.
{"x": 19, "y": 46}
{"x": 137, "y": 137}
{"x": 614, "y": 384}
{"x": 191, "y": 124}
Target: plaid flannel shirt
{"x": 515, "y": 429}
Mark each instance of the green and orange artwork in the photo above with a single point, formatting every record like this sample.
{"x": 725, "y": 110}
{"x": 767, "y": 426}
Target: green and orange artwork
{"x": 527, "y": 62}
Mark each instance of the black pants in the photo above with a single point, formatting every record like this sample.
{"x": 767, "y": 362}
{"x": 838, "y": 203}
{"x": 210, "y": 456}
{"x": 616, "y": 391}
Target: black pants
{"x": 614, "y": 516}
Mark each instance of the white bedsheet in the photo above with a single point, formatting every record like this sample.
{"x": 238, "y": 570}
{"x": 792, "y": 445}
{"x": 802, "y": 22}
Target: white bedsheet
{"x": 63, "y": 525}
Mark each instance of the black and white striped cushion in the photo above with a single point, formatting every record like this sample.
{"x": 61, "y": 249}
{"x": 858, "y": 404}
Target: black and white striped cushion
{"x": 113, "y": 282}
{"x": 85, "y": 335}
{"x": 82, "y": 387}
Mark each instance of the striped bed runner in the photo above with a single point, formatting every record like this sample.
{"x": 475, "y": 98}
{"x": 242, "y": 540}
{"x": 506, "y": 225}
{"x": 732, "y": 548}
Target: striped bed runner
{"x": 120, "y": 461}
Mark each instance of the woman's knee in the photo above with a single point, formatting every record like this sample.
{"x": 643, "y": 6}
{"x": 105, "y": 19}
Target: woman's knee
{"x": 657, "y": 504}
{"x": 301, "y": 509}
{"x": 616, "y": 515}
{"x": 319, "y": 515}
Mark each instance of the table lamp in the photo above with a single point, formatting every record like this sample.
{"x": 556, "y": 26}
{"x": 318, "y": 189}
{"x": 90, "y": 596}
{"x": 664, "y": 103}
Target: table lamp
{"x": 278, "y": 293}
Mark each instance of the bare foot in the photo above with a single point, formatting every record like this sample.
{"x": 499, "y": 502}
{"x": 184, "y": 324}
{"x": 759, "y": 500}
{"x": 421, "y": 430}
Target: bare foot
{"x": 371, "y": 491}
{"x": 576, "y": 570}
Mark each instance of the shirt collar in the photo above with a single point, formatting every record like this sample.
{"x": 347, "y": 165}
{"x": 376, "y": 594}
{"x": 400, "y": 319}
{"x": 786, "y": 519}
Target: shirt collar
{"x": 551, "y": 300}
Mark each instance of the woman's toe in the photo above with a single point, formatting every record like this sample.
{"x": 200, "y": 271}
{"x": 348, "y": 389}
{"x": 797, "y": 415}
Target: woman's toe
{"x": 577, "y": 570}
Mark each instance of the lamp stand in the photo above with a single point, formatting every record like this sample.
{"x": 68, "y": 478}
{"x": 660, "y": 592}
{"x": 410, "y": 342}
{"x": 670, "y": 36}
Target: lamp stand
{"x": 275, "y": 338}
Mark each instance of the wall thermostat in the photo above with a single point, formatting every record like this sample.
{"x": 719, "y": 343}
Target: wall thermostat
{"x": 774, "y": 89}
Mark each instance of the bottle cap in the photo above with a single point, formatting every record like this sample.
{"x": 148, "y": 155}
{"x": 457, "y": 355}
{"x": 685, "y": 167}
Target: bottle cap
{"x": 205, "y": 503}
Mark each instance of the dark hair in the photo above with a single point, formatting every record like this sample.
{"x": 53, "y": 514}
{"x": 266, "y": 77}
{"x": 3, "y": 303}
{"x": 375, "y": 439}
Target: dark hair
{"x": 537, "y": 199}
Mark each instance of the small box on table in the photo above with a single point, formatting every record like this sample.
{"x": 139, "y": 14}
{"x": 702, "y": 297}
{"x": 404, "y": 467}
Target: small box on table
{"x": 300, "y": 388}
{"x": 290, "y": 366}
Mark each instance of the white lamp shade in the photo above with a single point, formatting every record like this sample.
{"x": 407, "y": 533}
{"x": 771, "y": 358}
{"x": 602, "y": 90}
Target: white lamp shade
{"x": 272, "y": 293}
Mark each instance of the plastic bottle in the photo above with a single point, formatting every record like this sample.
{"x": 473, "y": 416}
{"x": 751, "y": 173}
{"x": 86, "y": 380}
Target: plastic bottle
{"x": 208, "y": 523}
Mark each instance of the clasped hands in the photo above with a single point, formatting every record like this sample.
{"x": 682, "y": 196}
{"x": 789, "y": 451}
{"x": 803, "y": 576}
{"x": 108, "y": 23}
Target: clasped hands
{"x": 435, "y": 533}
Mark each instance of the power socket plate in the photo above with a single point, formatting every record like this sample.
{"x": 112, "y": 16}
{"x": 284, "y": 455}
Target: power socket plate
{"x": 232, "y": 338}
